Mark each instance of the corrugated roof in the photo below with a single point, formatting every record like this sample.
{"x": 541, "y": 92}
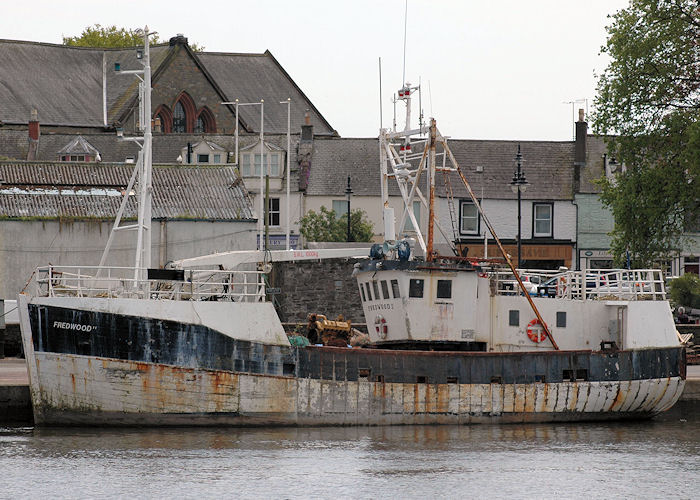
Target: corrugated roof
{"x": 88, "y": 190}
{"x": 548, "y": 167}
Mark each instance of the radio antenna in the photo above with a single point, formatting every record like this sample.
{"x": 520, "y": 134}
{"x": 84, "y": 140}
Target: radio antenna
{"x": 381, "y": 121}
{"x": 405, "y": 23}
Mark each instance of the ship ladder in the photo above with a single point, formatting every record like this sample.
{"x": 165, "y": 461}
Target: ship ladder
{"x": 451, "y": 207}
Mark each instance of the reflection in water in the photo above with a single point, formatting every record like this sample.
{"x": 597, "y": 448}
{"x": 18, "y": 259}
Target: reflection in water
{"x": 649, "y": 459}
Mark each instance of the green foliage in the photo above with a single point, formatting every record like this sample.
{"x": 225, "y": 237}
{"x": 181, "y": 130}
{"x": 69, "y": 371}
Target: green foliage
{"x": 326, "y": 226}
{"x": 685, "y": 291}
{"x": 113, "y": 37}
{"x": 648, "y": 97}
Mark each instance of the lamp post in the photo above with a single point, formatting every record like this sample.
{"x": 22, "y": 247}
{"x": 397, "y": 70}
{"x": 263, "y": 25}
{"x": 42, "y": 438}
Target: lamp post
{"x": 348, "y": 193}
{"x": 519, "y": 184}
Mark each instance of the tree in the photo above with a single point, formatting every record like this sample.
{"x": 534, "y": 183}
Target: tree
{"x": 648, "y": 101}
{"x": 327, "y": 226}
{"x": 113, "y": 37}
{"x": 685, "y": 291}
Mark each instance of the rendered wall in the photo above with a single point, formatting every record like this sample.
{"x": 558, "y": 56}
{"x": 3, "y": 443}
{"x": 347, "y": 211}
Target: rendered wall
{"x": 24, "y": 245}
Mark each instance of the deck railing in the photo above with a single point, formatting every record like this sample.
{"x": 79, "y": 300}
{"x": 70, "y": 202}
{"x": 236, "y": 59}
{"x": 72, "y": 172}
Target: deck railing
{"x": 112, "y": 282}
{"x": 609, "y": 284}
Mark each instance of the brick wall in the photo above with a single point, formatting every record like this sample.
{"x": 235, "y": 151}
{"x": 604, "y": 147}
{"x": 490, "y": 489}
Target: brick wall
{"x": 325, "y": 287}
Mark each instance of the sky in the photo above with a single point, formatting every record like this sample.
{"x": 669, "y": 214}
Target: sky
{"x": 499, "y": 69}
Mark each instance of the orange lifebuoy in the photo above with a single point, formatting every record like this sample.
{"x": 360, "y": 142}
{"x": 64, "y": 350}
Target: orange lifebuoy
{"x": 537, "y": 335}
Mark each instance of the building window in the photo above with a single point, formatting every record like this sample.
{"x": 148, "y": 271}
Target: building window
{"x": 542, "y": 220}
{"x": 205, "y": 122}
{"x": 274, "y": 212}
{"x": 340, "y": 207}
{"x": 217, "y": 158}
{"x": 271, "y": 159}
{"x": 469, "y": 218}
{"x": 408, "y": 225}
{"x": 164, "y": 118}
{"x": 202, "y": 158}
{"x": 179, "y": 119}
{"x": 199, "y": 126}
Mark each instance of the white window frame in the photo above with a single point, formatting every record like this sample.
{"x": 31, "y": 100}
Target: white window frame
{"x": 535, "y": 219}
{"x": 476, "y": 218}
{"x": 340, "y": 207}
{"x": 249, "y": 168}
{"x": 271, "y": 212}
{"x": 408, "y": 225}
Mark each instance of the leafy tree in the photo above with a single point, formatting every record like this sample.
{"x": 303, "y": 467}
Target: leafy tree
{"x": 113, "y": 37}
{"x": 685, "y": 291}
{"x": 648, "y": 101}
{"x": 327, "y": 226}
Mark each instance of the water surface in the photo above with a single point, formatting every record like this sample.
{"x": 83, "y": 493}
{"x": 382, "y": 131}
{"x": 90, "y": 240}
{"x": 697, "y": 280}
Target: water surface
{"x": 649, "y": 459}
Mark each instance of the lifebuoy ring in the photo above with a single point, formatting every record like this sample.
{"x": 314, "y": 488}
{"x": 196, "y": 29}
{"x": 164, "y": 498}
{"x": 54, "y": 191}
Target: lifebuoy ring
{"x": 535, "y": 331}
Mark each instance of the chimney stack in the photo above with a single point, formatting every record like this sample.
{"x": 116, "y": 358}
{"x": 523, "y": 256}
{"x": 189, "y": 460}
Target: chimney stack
{"x": 305, "y": 151}
{"x": 34, "y": 133}
{"x": 34, "y": 125}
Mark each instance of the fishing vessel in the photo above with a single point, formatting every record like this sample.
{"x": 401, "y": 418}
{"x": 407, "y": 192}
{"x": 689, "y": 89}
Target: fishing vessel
{"x": 200, "y": 344}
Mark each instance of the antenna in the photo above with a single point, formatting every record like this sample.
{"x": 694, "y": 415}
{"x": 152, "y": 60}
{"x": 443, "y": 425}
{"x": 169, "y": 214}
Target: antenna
{"x": 405, "y": 24}
{"x": 430, "y": 98}
{"x": 381, "y": 121}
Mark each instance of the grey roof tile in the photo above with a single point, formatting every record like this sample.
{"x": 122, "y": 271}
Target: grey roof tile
{"x": 39, "y": 189}
{"x": 548, "y": 167}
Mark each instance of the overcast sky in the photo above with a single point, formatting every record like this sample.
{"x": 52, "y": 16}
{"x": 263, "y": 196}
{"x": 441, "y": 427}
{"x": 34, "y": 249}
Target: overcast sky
{"x": 489, "y": 69}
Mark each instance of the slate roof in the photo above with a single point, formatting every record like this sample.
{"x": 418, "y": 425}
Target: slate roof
{"x": 65, "y": 84}
{"x": 548, "y": 167}
{"x": 251, "y": 77}
{"x": 91, "y": 190}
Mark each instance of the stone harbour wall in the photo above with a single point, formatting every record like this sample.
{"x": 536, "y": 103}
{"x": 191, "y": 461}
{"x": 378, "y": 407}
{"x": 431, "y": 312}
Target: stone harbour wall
{"x": 324, "y": 287}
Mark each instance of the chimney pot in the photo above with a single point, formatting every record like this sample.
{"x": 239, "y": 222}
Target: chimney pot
{"x": 581, "y": 115}
{"x": 307, "y": 118}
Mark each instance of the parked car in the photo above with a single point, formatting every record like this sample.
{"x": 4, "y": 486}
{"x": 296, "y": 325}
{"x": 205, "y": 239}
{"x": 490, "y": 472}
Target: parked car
{"x": 548, "y": 288}
{"x": 529, "y": 281}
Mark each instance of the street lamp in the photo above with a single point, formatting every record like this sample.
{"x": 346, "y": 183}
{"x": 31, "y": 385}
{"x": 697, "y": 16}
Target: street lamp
{"x": 348, "y": 193}
{"x": 519, "y": 184}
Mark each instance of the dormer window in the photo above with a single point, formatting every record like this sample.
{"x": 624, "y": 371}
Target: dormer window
{"x": 250, "y": 164}
{"x": 79, "y": 150}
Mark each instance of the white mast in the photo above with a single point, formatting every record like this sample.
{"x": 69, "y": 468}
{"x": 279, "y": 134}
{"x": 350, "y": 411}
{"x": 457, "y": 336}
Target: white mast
{"x": 143, "y": 168}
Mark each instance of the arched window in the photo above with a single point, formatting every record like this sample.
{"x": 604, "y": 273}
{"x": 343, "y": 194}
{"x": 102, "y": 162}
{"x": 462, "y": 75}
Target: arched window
{"x": 164, "y": 117}
{"x": 184, "y": 114}
{"x": 205, "y": 122}
{"x": 179, "y": 118}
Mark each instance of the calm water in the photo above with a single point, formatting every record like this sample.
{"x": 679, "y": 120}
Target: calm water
{"x": 653, "y": 459}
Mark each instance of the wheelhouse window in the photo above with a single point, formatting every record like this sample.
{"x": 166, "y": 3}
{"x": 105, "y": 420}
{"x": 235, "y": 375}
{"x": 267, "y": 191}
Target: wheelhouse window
{"x": 542, "y": 220}
{"x": 444, "y": 289}
{"x": 385, "y": 290}
{"x": 469, "y": 218}
{"x": 395, "y": 289}
{"x": 369, "y": 292}
{"x": 415, "y": 288}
